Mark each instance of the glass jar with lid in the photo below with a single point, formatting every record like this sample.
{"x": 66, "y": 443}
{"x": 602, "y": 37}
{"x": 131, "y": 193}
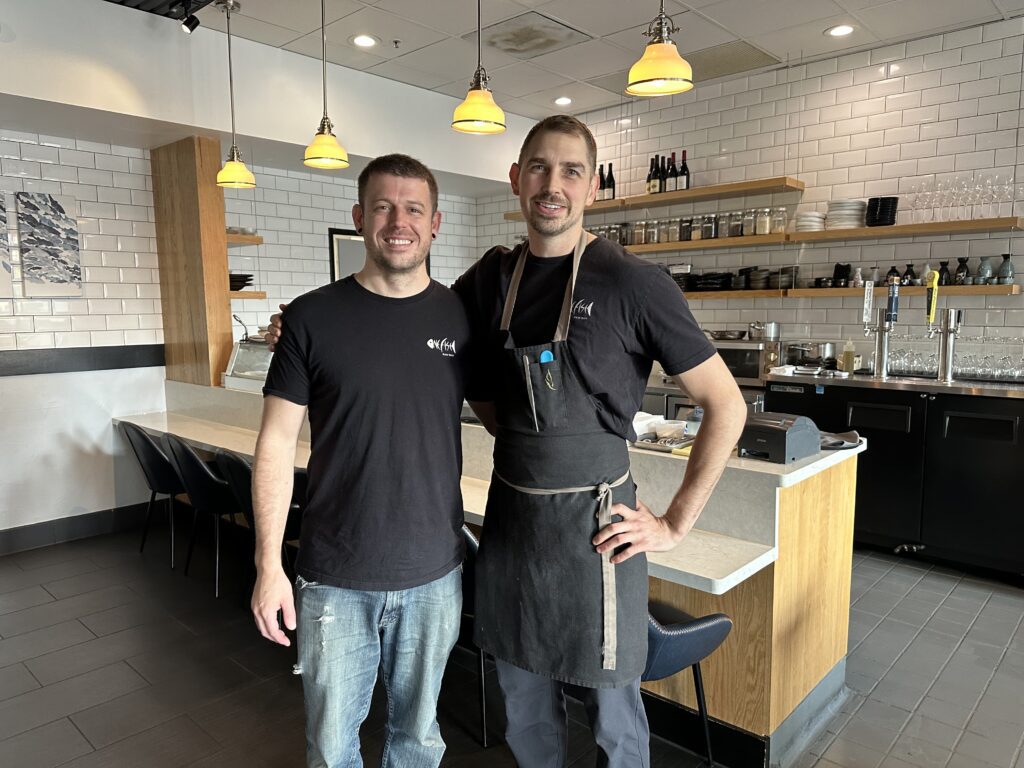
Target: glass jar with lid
{"x": 651, "y": 235}
{"x": 749, "y": 219}
{"x": 763, "y": 222}
{"x": 601, "y": 232}
{"x": 736, "y": 224}
{"x": 668, "y": 229}
{"x": 639, "y": 233}
{"x": 696, "y": 229}
{"x": 685, "y": 229}
{"x": 779, "y": 221}
{"x": 709, "y": 226}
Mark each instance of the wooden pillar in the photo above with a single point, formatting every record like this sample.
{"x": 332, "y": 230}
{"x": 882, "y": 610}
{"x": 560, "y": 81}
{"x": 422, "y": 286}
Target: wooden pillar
{"x": 192, "y": 244}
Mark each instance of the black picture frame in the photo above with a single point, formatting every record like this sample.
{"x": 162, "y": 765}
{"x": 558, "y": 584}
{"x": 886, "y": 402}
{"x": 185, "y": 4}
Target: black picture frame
{"x": 334, "y": 236}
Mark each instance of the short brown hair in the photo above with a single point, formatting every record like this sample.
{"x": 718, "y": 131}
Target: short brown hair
{"x": 398, "y": 165}
{"x": 563, "y": 124}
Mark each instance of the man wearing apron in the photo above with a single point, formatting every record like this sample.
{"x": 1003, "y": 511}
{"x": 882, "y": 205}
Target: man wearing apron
{"x": 565, "y": 331}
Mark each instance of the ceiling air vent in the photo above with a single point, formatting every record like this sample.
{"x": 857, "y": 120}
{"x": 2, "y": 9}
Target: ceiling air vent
{"x": 529, "y": 35}
{"x": 727, "y": 59}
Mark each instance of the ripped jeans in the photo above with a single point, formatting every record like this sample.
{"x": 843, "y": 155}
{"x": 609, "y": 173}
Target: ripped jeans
{"x": 344, "y": 637}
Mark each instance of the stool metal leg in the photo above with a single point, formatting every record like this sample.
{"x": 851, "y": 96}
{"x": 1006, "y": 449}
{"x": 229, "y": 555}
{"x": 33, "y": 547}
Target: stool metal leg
{"x": 149, "y": 514}
{"x": 170, "y": 519}
{"x": 483, "y": 699}
{"x": 702, "y": 709}
{"x": 192, "y": 538}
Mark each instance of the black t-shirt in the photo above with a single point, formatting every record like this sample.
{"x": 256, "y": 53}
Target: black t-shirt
{"x": 383, "y": 381}
{"x": 627, "y": 312}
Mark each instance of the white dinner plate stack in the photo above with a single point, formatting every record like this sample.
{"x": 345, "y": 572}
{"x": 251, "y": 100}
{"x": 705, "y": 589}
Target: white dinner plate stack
{"x": 810, "y": 221}
{"x": 845, "y": 214}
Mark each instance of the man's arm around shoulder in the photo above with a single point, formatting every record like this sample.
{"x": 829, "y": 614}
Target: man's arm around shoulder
{"x": 272, "y": 478}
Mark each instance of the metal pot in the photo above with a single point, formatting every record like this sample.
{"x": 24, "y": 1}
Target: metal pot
{"x": 726, "y": 335}
{"x": 809, "y": 350}
{"x": 763, "y": 331}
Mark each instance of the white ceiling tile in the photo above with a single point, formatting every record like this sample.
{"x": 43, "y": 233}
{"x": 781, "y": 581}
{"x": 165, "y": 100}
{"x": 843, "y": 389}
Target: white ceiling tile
{"x": 857, "y": 5}
{"x": 695, "y": 33}
{"x": 300, "y": 15}
{"x": 603, "y": 18}
{"x": 525, "y": 109}
{"x": 521, "y": 78}
{"x": 455, "y": 17}
{"x": 386, "y": 27}
{"x": 456, "y": 88}
{"x": 904, "y": 18}
{"x": 395, "y": 71}
{"x": 246, "y": 27}
{"x": 807, "y": 39}
{"x": 452, "y": 59}
{"x": 584, "y": 97}
{"x": 747, "y": 18}
{"x": 528, "y": 35}
{"x": 343, "y": 55}
{"x": 1010, "y": 6}
{"x": 590, "y": 59}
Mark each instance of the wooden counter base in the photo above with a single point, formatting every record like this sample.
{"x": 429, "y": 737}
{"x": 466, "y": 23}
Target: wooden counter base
{"x": 790, "y": 619}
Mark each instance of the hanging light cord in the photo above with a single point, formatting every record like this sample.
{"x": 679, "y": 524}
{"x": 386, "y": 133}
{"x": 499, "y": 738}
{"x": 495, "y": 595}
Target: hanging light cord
{"x": 480, "y": 78}
{"x": 323, "y": 32}
{"x": 231, "y": 75}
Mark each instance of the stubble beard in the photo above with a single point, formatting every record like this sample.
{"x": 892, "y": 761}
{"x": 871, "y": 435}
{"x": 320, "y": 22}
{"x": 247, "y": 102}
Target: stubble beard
{"x": 552, "y": 227}
{"x": 397, "y": 267}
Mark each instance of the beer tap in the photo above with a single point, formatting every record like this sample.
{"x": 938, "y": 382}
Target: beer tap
{"x": 886, "y": 319}
{"x": 948, "y": 330}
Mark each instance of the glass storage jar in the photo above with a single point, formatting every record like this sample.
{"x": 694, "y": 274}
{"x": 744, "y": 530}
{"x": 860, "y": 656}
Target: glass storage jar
{"x": 749, "y": 218}
{"x": 685, "y": 228}
{"x": 639, "y": 233}
{"x": 736, "y": 224}
{"x": 651, "y": 235}
{"x": 779, "y": 221}
{"x": 665, "y": 233}
{"x": 709, "y": 227}
{"x": 763, "y": 223}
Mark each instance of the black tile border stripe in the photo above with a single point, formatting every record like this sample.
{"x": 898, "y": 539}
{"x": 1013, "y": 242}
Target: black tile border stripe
{"x": 24, "y": 362}
{"x": 44, "y": 534}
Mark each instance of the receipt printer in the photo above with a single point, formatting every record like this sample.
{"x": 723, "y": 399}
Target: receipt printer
{"x": 780, "y": 438}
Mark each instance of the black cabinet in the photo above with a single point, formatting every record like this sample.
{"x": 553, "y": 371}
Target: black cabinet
{"x": 890, "y": 474}
{"x": 819, "y": 403}
{"x": 974, "y": 458}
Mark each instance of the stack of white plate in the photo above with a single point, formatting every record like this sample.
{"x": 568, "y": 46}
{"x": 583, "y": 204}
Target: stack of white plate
{"x": 811, "y": 221}
{"x": 845, "y": 214}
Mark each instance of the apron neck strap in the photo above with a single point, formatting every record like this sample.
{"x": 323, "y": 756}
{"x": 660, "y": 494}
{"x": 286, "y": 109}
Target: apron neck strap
{"x": 562, "y": 331}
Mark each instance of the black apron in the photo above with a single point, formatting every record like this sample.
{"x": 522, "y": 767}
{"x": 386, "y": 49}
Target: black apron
{"x": 546, "y": 601}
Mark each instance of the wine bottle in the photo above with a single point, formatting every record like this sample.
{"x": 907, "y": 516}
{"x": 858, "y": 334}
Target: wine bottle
{"x": 650, "y": 176}
{"x": 609, "y": 184}
{"x": 673, "y": 175}
{"x": 600, "y": 183}
{"x": 662, "y": 175}
{"x": 683, "y": 181}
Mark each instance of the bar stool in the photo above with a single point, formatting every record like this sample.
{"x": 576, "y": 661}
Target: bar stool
{"x": 466, "y": 627}
{"x": 238, "y": 472}
{"x": 673, "y": 647}
{"x": 208, "y": 493}
{"x": 161, "y": 477}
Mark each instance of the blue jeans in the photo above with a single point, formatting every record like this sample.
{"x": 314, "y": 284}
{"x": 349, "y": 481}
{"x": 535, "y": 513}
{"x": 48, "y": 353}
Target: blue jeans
{"x": 344, "y": 636}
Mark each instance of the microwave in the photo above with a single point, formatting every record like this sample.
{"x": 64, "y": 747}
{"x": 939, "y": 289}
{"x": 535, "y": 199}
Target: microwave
{"x": 749, "y": 361}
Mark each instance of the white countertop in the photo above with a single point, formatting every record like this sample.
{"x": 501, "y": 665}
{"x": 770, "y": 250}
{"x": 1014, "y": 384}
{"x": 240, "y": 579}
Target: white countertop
{"x": 707, "y": 561}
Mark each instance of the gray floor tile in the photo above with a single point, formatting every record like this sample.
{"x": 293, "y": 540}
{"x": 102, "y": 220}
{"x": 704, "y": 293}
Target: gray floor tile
{"x": 13, "y": 578}
{"x": 48, "y": 556}
{"x": 23, "y": 598}
{"x": 938, "y": 733}
{"x": 124, "y": 617}
{"x": 15, "y": 680}
{"x": 953, "y": 714}
{"x": 174, "y": 744}
{"x": 875, "y": 735}
{"x": 45, "y": 747}
{"x": 62, "y": 610}
{"x": 87, "y": 582}
{"x": 895, "y": 762}
{"x": 965, "y": 761}
{"x": 35, "y": 708}
{"x": 33, "y": 644}
{"x": 997, "y": 751}
{"x": 878, "y": 603}
{"x": 849, "y": 754}
{"x": 917, "y": 751}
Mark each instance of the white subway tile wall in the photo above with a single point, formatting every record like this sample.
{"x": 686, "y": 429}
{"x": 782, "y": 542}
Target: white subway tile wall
{"x": 878, "y": 122}
{"x": 112, "y": 189}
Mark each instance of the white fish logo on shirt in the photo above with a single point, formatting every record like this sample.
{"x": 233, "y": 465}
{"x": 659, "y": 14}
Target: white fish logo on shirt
{"x": 444, "y": 346}
{"x": 582, "y": 309}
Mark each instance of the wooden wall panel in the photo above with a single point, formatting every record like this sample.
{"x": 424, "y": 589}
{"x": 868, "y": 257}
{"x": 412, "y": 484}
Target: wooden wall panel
{"x": 192, "y": 246}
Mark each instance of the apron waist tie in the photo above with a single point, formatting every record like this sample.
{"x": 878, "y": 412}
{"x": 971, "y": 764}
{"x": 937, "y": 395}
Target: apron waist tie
{"x": 604, "y": 517}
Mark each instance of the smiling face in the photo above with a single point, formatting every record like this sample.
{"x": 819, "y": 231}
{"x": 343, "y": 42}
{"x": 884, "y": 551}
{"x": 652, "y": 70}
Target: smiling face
{"x": 555, "y": 181}
{"x": 398, "y": 221}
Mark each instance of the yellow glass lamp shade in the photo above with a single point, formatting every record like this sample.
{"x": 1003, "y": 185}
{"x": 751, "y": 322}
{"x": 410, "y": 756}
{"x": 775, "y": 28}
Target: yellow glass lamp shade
{"x": 478, "y": 114}
{"x": 326, "y": 152}
{"x": 659, "y": 72}
{"x": 234, "y": 174}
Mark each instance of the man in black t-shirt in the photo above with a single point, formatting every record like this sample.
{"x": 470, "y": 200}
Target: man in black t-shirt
{"x": 376, "y": 360}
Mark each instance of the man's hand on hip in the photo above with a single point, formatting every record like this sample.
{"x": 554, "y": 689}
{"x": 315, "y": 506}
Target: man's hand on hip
{"x": 273, "y": 334}
{"x": 640, "y": 530}
{"x": 273, "y": 593}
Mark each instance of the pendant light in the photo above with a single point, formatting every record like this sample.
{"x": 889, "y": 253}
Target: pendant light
{"x": 324, "y": 151}
{"x": 234, "y": 173}
{"x": 478, "y": 113}
{"x": 661, "y": 71}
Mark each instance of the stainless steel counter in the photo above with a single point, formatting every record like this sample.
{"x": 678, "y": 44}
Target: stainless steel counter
{"x": 910, "y": 384}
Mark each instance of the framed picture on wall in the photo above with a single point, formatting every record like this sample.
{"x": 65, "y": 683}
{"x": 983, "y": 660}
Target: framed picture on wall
{"x": 348, "y": 252}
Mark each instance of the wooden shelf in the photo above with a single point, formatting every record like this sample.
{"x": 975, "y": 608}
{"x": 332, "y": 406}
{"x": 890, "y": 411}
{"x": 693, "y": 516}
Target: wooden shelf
{"x": 973, "y": 226}
{"x": 909, "y": 290}
{"x": 247, "y": 294}
{"x": 697, "y": 194}
{"x": 240, "y": 240}
{"x": 699, "y": 245}
{"x": 774, "y": 293}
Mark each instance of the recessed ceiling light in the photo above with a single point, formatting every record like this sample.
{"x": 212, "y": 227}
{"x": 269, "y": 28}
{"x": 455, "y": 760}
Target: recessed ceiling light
{"x": 563, "y": 101}
{"x": 364, "y": 41}
{"x": 840, "y": 30}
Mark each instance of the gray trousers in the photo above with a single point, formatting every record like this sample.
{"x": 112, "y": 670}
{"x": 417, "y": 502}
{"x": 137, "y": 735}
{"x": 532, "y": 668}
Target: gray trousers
{"x": 538, "y": 725}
